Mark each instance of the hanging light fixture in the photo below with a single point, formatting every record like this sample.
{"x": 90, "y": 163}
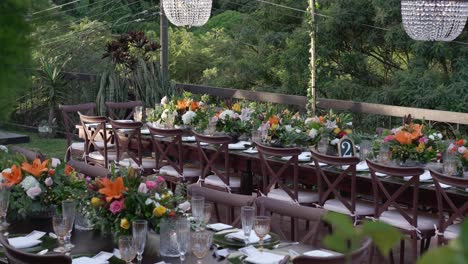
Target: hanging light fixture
{"x": 192, "y": 13}
{"x": 434, "y": 20}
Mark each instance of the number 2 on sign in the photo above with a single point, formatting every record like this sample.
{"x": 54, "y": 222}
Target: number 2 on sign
{"x": 346, "y": 147}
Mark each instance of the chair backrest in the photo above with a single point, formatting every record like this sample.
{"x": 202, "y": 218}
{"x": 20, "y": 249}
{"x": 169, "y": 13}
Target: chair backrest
{"x": 220, "y": 198}
{"x": 208, "y": 159}
{"x": 270, "y": 206}
{"x": 89, "y": 170}
{"x": 391, "y": 195}
{"x": 457, "y": 211}
{"x": 328, "y": 185}
{"x": 127, "y": 135}
{"x": 95, "y": 130}
{"x": 27, "y": 153}
{"x": 128, "y": 108}
{"x": 163, "y": 149}
{"x": 69, "y": 114}
{"x": 16, "y": 256}
{"x": 275, "y": 177}
{"x": 359, "y": 256}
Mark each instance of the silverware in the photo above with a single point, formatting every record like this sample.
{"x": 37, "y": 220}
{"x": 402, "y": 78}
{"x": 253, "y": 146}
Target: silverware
{"x": 283, "y": 245}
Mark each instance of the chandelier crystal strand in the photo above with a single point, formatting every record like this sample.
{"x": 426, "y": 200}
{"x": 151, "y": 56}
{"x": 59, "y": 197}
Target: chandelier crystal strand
{"x": 192, "y": 13}
{"x": 434, "y": 20}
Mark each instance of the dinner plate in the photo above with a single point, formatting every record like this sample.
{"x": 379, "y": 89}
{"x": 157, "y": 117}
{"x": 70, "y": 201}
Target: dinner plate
{"x": 221, "y": 239}
{"x": 47, "y": 243}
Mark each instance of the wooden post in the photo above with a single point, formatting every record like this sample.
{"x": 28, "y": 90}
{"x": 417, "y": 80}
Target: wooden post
{"x": 311, "y": 91}
{"x": 163, "y": 35}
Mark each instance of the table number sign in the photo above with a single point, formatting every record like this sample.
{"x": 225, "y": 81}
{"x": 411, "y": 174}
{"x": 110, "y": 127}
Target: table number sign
{"x": 346, "y": 147}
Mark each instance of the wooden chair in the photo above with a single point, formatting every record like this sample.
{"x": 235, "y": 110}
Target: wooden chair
{"x": 328, "y": 187}
{"x": 230, "y": 201}
{"x": 16, "y": 256}
{"x": 359, "y": 256}
{"x": 274, "y": 179}
{"x": 89, "y": 170}
{"x": 173, "y": 169}
{"x": 296, "y": 213}
{"x": 447, "y": 228}
{"x": 69, "y": 122}
{"x": 388, "y": 209}
{"x": 27, "y": 153}
{"x": 221, "y": 179}
{"x": 97, "y": 140}
{"x": 124, "y": 109}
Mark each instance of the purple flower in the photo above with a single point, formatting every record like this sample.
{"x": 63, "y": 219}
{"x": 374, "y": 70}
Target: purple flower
{"x": 48, "y": 182}
{"x": 117, "y": 206}
{"x": 33, "y": 192}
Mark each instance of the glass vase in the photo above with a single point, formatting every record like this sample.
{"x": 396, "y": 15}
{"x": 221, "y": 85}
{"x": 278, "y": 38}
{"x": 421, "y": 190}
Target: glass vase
{"x": 168, "y": 232}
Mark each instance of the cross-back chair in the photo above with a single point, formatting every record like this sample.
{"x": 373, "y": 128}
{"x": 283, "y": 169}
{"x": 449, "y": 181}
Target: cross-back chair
{"x": 97, "y": 140}
{"x": 448, "y": 229}
{"x": 405, "y": 217}
{"x": 330, "y": 196}
{"x": 274, "y": 183}
{"x": 295, "y": 213}
{"x": 222, "y": 178}
{"x": 172, "y": 168}
{"x": 232, "y": 202}
{"x": 69, "y": 114}
{"x": 123, "y": 110}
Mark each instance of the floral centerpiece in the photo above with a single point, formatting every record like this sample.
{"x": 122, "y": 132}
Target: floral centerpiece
{"x": 38, "y": 186}
{"x": 459, "y": 148}
{"x": 125, "y": 197}
{"x": 331, "y": 125}
{"x": 234, "y": 122}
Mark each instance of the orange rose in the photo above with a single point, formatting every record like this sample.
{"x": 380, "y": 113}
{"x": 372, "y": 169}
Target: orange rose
{"x": 182, "y": 104}
{"x": 403, "y": 137}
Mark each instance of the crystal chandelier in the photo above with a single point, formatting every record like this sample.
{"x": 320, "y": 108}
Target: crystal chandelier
{"x": 434, "y": 20}
{"x": 187, "y": 12}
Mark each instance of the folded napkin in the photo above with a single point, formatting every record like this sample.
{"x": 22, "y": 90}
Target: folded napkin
{"x": 30, "y": 240}
{"x": 188, "y": 139}
{"x": 321, "y": 164}
{"x": 320, "y": 253}
{"x": 218, "y": 226}
{"x": 145, "y": 131}
{"x": 252, "y": 239}
{"x": 262, "y": 257}
{"x": 361, "y": 166}
{"x": 426, "y": 176}
{"x": 304, "y": 156}
{"x": 239, "y": 145}
{"x": 88, "y": 260}
{"x": 252, "y": 150}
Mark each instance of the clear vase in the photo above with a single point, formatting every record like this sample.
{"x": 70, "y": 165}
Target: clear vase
{"x": 168, "y": 234}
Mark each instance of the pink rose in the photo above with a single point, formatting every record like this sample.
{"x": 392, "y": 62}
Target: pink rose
{"x": 33, "y": 192}
{"x": 461, "y": 149}
{"x": 142, "y": 188}
{"x": 117, "y": 206}
{"x": 423, "y": 140}
{"x": 151, "y": 184}
{"x": 388, "y": 138}
{"x": 48, "y": 182}
{"x": 160, "y": 180}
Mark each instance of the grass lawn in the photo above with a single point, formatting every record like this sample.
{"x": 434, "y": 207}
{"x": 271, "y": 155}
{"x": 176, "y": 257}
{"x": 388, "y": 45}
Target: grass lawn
{"x": 51, "y": 147}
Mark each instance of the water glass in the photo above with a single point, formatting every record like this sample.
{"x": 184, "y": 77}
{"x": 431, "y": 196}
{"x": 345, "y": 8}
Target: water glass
{"x": 247, "y": 218}
{"x": 206, "y": 215}
{"x": 201, "y": 243}
{"x": 183, "y": 237}
{"x": 256, "y": 136}
{"x": 61, "y": 227}
{"x": 384, "y": 154}
{"x": 322, "y": 145}
{"x": 262, "y": 228}
{"x": 127, "y": 248}
{"x": 138, "y": 114}
{"x": 69, "y": 212}
{"x": 365, "y": 149}
{"x": 140, "y": 230}
{"x": 198, "y": 210}
{"x": 450, "y": 166}
{"x": 4, "y": 201}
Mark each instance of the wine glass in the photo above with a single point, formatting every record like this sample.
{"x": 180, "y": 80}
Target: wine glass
{"x": 127, "y": 248}
{"x": 61, "y": 227}
{"x": 198, "y": 207}
{"x": 183, "y": 237}
{"x": 69, "y": 212}
{"x": 206, "y": 215}
{"x": 262, "y": 228}
{"x": 140, "y": 229}
{"x": 201, "y": 242}
{"x": 4, "y": 201}
{"x": 247, "y": 218}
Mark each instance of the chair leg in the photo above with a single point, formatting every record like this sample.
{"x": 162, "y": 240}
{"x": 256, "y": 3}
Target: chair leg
{"x": 392, "y": 259}
{"x": 414, "y": 248}
{"x": 402, "y": 251}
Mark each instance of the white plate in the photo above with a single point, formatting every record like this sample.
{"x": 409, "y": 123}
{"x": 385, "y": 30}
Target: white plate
{"x": 264, "y": 258}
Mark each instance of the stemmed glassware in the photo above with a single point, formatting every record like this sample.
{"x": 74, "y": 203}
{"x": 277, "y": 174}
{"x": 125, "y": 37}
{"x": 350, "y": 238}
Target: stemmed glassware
{"x": 365, "y": 149}
{"x": 140, "y": 230}
{"x": 4, "y": 201}
{"x": 69, "y": 212}
{"x": 183, "y": 237}
{"x": 61, "y": 226}
{"x": 206, "y": 215}
{"x": 127, "y": 248}
{"x": 201, "y": 242}
{"x": 198, "y": 210}
{"x": 247, "y": 218}
{"x": 262, "y": 228}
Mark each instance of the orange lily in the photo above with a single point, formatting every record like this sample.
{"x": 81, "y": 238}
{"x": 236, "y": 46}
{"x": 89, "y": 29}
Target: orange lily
{"x": 68, "y": 170}
{"x": 416, "y": 131}
{"x": 182, "y": 104}
{"x": 112, "y": 189}
{"x": 273, "y": 120}
{"x": 321, "y": 119}
{"x": 14, "y": 177}
{"x": 194, "y": 105}
{"x": 36, "y": 168}
{"x": 403, "y": 137}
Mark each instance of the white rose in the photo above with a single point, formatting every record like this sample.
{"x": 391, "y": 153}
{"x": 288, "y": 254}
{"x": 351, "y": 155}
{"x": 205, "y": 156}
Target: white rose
{"x": 188, "y": 117}
{"x": 33, "y": 192}
{"x": 431, "y": 137}
{"x": 439, "y": 135}
{"x": 148, "y": 201}
{"x": 313, "y": 133}
{"x": 335, "y": 141}
{"x": 55, "y": 162}
{"x": 29, "y": 182}
{"x": 288, "y": 128}
{"x": 142, "y": 188}
{"x": 4, "y": 148}
{"x": 157, "y": 196}
{"x": 48, "y": 182}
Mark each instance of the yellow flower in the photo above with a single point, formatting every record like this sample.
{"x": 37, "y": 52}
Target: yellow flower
{"x": 124, "y": 223}
{"x": 159, "y": 211}
{"x": 336, "y": 130}
{"x": 420, "y": 148}
{"x": 95, "y": 201}
{"x": 274, "y": 126}
{"x": 236, "y": 107}
{"x": 348, "y": 131}
{"x": 166, "y": 195}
